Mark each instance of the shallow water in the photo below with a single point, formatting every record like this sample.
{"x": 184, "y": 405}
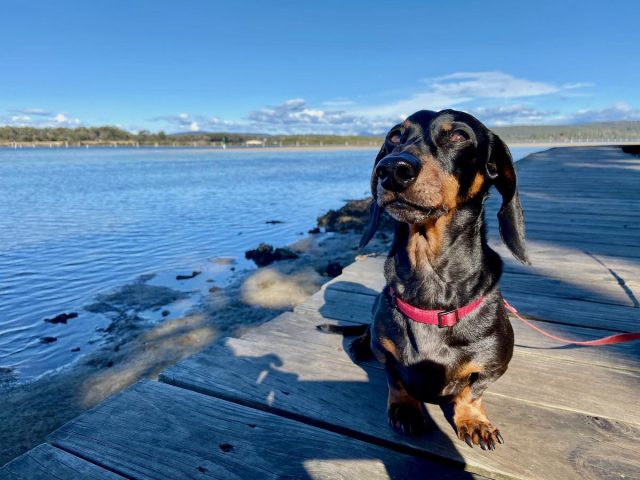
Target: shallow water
{"x": 75, "y": 223}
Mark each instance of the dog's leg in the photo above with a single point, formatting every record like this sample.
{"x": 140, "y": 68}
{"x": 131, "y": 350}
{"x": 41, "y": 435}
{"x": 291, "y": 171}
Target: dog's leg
{"x": 472, "y": 424}
{"x": 405, "y": 412}
{"x": 360, "y": 347}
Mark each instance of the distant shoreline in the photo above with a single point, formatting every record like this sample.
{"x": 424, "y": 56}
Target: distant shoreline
{"x": 52, "y": 146}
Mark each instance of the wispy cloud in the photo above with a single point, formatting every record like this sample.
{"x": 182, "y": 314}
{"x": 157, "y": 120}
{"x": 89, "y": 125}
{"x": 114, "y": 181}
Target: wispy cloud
{"x": 616, "y": 112}
{"x": 496, "y": 98}
{"x": 461, "y": 88}
{"x": 515, "y": 114}
{"x": 39, "y": 118}
{"x": 40, "y": 112}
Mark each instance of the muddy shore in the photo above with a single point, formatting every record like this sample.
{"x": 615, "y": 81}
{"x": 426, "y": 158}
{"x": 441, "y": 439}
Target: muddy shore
{"x": 134, "y": 349}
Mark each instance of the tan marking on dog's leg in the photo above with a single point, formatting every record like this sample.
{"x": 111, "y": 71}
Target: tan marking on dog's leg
{"x": 472, "y": 424}
{"x": 389, "y": 347}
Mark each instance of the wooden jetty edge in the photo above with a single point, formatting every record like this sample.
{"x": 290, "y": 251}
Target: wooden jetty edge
{"x": 286, "y": 401}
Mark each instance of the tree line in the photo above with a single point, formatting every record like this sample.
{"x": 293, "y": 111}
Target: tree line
{"x": 108, "y": 135}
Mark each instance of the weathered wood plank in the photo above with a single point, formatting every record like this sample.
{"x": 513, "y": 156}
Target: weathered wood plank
{"x": 558, "y": 383}
{"x": 576, "y": 270}
{"x": 340, "y": 395}
{"x": 156, "y": 431}
{"x": 342, "y": 301}
{"x": 623, "y": 356}
{"x": 45, "y": 462}
{"x": 604, "y": 292}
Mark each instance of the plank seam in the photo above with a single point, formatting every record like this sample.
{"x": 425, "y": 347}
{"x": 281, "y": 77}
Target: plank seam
{"x": 89, "y": 460}
{"x": 360, "y": 436}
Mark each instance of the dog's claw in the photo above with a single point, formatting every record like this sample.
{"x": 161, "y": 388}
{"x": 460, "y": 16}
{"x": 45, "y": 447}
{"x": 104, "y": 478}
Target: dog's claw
{"x": 406, "y": 420}
{"x": 479, "y": 433}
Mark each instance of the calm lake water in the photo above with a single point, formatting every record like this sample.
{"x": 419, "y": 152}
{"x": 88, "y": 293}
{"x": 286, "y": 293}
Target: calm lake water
{"x": 79, "y": 222}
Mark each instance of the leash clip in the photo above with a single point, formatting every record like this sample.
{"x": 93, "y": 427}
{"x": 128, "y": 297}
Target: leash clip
{"x": 448, "y": 312}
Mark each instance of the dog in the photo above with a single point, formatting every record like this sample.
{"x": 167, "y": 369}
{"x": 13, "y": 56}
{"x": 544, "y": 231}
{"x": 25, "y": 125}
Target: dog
{"x": 440, "y": 326}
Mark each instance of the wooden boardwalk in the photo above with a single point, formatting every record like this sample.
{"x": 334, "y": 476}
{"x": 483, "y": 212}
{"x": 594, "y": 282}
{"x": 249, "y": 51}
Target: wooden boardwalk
{"x": 285, "y": 401}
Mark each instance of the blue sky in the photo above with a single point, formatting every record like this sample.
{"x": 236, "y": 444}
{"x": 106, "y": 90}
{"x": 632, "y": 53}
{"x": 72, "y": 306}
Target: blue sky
{"x": 322, "y": 67}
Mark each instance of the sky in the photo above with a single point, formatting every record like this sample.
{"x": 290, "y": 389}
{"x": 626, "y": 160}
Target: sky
{"x": 328, "y": 66}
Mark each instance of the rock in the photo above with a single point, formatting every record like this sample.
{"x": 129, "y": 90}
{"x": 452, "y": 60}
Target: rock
{"x": 632, "y": 149}
{"x": 131, "y": 299}
{"x": 214, "y": 289}
{"x": 75, "y": 349}
{"x": 314, "y": 231}
{"x": 165, "y": 313}
{"x": 333, "y": 269}
{"x": 48, "y": 339}
{"x": 273, "y": 222}
{"x": 265, "y": 254}
{"x": 353, "y": 216}
{"x": 62, "y": 318}
{"x": 187, "y": 277}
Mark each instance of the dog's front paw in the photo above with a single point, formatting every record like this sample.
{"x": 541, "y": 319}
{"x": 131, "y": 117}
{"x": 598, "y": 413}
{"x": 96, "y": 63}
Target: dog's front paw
{"x": 478, "y": 431}
{"x": 407, "y": 419}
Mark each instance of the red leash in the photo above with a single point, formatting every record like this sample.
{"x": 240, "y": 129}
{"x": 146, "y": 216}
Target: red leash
{"x": 610, "y": 340}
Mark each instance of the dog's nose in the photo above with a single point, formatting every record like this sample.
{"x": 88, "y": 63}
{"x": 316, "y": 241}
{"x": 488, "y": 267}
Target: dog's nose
{"x": 397, "y": 172}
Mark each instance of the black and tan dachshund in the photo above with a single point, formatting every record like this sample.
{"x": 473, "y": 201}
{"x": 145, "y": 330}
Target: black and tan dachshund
{"x": 440, "y": 326}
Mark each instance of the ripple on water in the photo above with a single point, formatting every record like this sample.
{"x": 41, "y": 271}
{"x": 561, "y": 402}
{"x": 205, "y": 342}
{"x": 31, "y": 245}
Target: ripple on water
{"x": 78, "y": 223}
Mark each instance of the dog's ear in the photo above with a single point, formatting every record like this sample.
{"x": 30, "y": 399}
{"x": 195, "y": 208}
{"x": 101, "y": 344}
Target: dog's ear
{"x": 375, "y": 212}
{"x": 510, "y": 217}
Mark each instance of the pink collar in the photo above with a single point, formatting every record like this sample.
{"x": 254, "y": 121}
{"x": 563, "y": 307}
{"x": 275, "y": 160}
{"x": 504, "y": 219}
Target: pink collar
{"x": 441, "y": 318}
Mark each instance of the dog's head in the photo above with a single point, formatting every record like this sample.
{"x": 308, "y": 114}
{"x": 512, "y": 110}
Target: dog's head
{"x": 435, "y": 162}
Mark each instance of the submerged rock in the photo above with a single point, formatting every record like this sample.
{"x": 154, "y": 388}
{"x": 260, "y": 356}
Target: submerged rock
{"x": 353, "y": 216}
{"x": 265, "y": 254}
{"x": 62, "y": 318}
{"x": 188, "y": 277}
{"x": 133, "y": 298}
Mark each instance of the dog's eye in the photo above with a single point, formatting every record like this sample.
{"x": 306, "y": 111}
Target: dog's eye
{"x": 395, "y": 138}
{"x": 458, "y": 136}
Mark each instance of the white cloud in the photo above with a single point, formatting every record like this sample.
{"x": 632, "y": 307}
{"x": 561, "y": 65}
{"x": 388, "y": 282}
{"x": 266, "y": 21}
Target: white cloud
{"x": 616, "y": 112}
{"x": 63, "y": 121}
{"x": 44, "y": 119}
{"x": 194, "y": 127}
{"x": 515, "y": 114}
{"x": 459, "y": 88}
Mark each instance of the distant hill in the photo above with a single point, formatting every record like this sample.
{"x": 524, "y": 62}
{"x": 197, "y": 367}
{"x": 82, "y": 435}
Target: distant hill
{"x": 600, "y": 131}
{"x": 107, "y": 135}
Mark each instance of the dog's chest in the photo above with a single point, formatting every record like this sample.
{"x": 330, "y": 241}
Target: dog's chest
{"x": 423, "y": 358}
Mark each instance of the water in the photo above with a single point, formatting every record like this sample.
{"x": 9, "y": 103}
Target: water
{"x": 78, "y": 222}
